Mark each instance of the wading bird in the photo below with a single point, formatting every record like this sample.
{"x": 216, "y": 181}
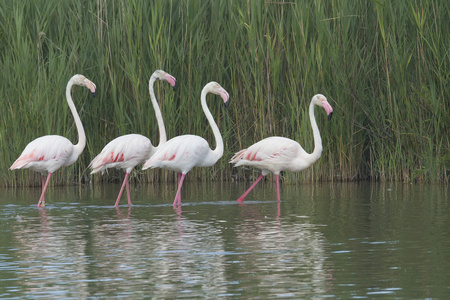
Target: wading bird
{"x": 276, "y": 154}
{"x": 127, "y": 151}
{"x": 184, "y": 152}
{"x": 51, "y": 152}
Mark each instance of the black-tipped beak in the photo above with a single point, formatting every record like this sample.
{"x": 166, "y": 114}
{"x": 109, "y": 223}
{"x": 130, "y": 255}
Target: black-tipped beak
{"x": 227, "y": 103}
{"x": 174, "y": 88}
{"x": 93, "y": 94}
{"x": 330, "y": 115}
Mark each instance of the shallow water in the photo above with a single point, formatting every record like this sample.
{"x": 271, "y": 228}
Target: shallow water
{"x": 325, "y": 240}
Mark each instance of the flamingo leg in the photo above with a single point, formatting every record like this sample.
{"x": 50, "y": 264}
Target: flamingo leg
{"x": 125, "y": 183}
{"x": 178, "y": 182}
{"x": 44, "y": 188}
{"x": 43, "y": 183}
{"x": 178, "y": 195}
{"x": 278, "y": 210}
{"x": 128, "y": 193}
{"x": 248, "y": 191}
{"x": 278, "y": 187}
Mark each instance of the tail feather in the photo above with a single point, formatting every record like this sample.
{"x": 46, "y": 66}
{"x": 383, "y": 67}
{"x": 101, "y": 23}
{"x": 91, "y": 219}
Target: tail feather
{"x": 20, "y": 162}
{"x": 96, "y": 165}
{"x": 152, "y": 163}
{"x": 238, "y": 156}
{"x": 96, "y": 170}
{"x": 17, "y": 165}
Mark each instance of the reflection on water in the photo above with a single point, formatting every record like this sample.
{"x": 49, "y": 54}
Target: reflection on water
{"x": 328, "y": 240}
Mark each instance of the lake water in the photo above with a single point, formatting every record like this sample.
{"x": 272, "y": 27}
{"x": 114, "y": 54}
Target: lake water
{"x": 324, "y": 240}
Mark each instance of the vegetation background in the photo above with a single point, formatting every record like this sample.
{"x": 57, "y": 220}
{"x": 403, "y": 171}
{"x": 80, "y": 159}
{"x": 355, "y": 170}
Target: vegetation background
{"x": 383, "y": 65}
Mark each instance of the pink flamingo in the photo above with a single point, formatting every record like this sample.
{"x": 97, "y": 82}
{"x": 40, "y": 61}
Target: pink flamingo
{"x": 127, "y": 151}
{"x": 184, "y": 152}
{"x": 51, "y": 152}
{"x": 276, "y": 154}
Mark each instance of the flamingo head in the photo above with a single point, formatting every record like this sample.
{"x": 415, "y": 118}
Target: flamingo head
{"x": 215, "y": 88}
{"x": 161, "y": 75}
{"x": 321, "y": 101}
{"x": 83, "y": 81}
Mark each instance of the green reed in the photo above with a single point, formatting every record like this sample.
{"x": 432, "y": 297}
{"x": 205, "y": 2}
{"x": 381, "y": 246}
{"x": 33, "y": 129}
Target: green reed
{"x": 382, "y": 65}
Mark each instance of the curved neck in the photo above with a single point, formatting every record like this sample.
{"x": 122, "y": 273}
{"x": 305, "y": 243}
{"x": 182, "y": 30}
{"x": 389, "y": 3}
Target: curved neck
{"x": 317, "y": 139}
{"x": 218, "y": 152}
{"x": 159, "y": 118}
{"x": 81, "y": 135}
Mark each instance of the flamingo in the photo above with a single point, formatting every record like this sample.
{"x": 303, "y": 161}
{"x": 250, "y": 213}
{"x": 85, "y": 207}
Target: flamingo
{"x": 276, "y": 154}
{"x": 51, "y": 152}
{"x": 182, "y": 153}
{"x": 127, "y": 151}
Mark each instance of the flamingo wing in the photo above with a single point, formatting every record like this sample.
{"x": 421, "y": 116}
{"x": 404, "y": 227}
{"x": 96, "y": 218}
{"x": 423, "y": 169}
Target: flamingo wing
{"x": 47, "y": 153}
{"x": 124, "y": 152}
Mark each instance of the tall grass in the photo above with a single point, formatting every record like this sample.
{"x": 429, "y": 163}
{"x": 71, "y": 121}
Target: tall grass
{"x": 384, "y": 67}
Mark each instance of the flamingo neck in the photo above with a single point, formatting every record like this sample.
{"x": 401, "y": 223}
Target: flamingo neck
{"x": 315, "y": 155}
{"x": 159, "y": 118}
{"x": 218, "y": 152}
{"x": 79, "y": 147}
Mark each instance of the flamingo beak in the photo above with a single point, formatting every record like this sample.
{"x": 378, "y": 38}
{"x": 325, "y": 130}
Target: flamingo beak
{"x": 328, "y": 109}
{"x": 91, "y": 86}
{"x": 173, "y": 82}
{"x": 225, "y": 96}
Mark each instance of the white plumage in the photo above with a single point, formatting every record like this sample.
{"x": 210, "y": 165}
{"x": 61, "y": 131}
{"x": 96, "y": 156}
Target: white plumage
{"x": 127, "y": 151}
{"x": 276, "y": 154}
{"x": 51, "y": 152}
{"x": 182, "y": 153}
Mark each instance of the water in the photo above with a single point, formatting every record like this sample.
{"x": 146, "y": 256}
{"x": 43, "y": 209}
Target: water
{"x": 323, "y": 241}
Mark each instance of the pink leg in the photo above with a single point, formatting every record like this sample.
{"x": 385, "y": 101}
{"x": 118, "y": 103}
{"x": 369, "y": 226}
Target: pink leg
{"x": 178, "y": 195}
{"x": 128, "y": 193}
{"x": 178, "y": 182}
{"x": 125, "y": 182}
{"x": 178, "y": 199}
{"x": 278, "y": 187}
{"x": 278, "y": 209}
{"x": 43, "y": 183}
{"x": 44, "y": 188}
{"x": 248, "y": 191}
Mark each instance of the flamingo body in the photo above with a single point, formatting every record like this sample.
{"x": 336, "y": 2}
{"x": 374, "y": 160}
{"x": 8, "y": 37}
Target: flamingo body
{"x": 182, "y": 153}
{"x": 273, "y": 155}
{"x": 276, "y": 154}
{"x": 46, "y": 154}
{"x": 51, "y": 152}
{"x": 127, "y": 151}
{"x": 124, "y": 152}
